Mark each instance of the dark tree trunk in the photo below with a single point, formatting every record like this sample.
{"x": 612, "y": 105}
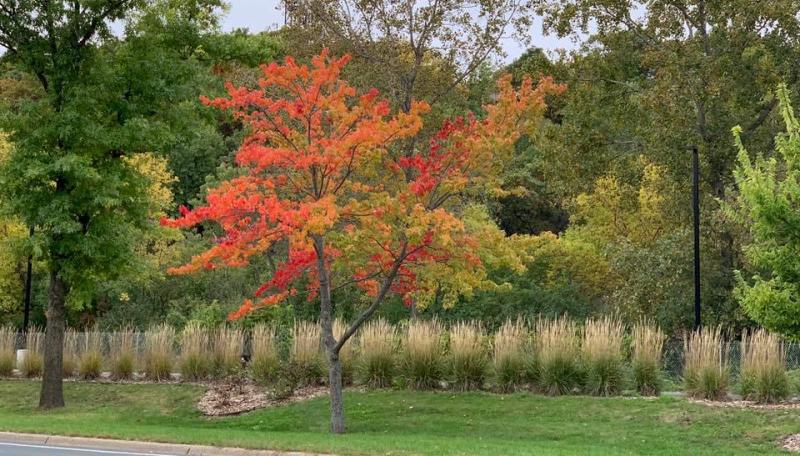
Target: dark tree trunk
{"x": 335, "y": 382}
{"x": 52, "y": 395}
{"x": 331, "y": 347}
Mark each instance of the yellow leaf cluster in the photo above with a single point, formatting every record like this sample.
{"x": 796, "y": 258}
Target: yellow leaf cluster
{"x": 616, "y": 210}
{"x": 12, "y": 237}
{"x": 157, "y": 248}
{"x": 155, "y": 169}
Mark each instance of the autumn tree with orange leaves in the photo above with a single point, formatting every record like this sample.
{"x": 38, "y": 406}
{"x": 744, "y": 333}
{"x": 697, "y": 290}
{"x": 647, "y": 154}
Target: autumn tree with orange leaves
{"x": 320, "y": 176}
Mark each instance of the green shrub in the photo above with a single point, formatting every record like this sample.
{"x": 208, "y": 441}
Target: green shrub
{"x": 705, "y": 369}
{"x": 377, "y": 344}
{"x": 602, "y": 356}
{"x": 508, "y": 356}
{"x": 290, "y": 376}
{"x": 763, "y": 368}
{"x": 264, "y": 358}
{"x": 195, "y": 362}
{"x": 646, "y": 350}
{"x": 158, "y": 352}
{"x": 557, "y": 351}
{"x": 227, "y": 351}
{"x": 122, "y": 354}
{"x": 8, "y": 338}
{"x": 421, "y": 363}
{"x": 305, "y": 356}
{"x": 468, "y": 360}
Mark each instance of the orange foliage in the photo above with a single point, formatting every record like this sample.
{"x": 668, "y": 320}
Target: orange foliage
{"x": 320, "y": 163}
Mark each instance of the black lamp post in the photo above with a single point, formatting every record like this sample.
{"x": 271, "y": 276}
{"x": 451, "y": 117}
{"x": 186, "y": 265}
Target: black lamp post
{"x": 28, "y": 284}
{"x": 696, "y": 216}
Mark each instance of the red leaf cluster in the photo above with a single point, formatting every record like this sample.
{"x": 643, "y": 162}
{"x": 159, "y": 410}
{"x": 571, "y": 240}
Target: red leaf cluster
{"x": 318, "y": 162}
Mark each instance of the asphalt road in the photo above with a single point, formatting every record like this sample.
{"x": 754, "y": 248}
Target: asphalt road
{"x": 18, "y": 449}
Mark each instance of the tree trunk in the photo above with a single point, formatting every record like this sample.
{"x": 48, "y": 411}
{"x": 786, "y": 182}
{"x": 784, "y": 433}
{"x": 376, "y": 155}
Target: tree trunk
{"x": 331, "y": 348}
{"x": 335, "y": 382}
{"x": 52, "y": 395}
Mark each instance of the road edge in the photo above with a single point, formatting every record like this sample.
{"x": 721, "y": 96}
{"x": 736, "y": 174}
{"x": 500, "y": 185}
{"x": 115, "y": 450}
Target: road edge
{"x": 91, "y": 443}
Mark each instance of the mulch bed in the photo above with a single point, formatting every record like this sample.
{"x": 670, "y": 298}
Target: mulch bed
{"x": 791, "y": 443}
{"x": 234, "y": 398}
{"x": 791, "y": 405}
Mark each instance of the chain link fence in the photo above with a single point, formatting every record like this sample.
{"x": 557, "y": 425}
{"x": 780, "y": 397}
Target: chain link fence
{"x": 673, "y": 357}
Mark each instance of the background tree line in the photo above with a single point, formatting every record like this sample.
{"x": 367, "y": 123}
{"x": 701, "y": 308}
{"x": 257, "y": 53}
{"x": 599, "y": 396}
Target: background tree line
{"x": 602, "y": 186}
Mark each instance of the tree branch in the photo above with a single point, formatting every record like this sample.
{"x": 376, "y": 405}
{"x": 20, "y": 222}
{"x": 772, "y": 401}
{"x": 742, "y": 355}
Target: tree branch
{"x": 376, "y": 302}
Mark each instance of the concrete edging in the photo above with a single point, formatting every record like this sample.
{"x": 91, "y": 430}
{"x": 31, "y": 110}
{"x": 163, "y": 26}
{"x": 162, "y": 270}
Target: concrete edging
{"x": 137, "y": 446}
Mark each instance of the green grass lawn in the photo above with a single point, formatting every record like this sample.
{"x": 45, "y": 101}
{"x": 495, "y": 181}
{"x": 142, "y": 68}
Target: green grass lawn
{"x": 403, "y": 422}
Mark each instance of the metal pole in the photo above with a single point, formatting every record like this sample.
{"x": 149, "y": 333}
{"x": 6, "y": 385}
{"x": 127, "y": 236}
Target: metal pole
{"x": 696, "y": 214}
{"x": 28, "y": 284}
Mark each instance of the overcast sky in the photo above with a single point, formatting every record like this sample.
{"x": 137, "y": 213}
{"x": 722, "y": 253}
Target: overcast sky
{"x": 259, "y": 15}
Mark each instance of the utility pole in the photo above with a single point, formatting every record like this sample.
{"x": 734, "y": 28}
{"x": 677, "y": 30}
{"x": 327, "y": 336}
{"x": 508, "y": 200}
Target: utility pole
{"x": 696, "y": 217}
{"x": 22, "y": 352}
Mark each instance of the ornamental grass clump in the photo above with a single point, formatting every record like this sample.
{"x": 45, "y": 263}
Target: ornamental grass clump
{"x": 377, "y": 343}
{"x": 8, "y": 339}
{"x": 90, "y": 362}
{"x": 159, "y": 343}
{"x": 762, "y": 374}
{"x": 602, "y": 356}
{"x": 31, "y": 365}
{"x": 227, "y": 345}
{"x": 305, "y": 356}
{"x": 557, "y": 351}
{"x": 647, "y": 346}
{"x": 70, "y": 360}
{"x": 347, "y": 353}
{"x": 264, "y": 355}
{"x": 468, "y": 360}
{"x": 422, "y": 360}
{"x": 705, "y": 364}
{"x": 508, "y": 355}
{"x": 122, "y": 353}
{"x": 195, "y": 360}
